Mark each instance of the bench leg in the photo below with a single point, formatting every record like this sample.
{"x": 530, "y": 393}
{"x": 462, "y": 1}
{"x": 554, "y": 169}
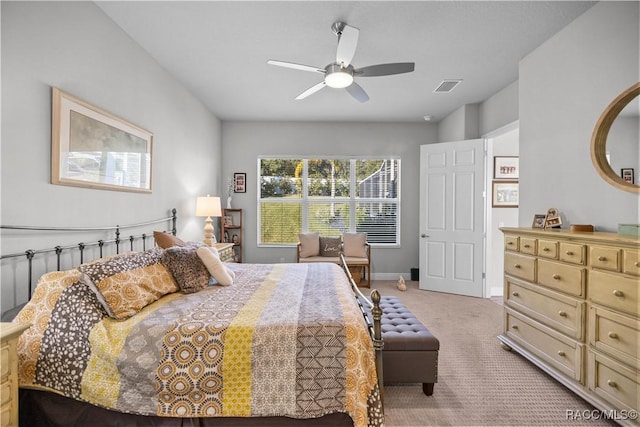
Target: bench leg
{"x": 427, "y": 388}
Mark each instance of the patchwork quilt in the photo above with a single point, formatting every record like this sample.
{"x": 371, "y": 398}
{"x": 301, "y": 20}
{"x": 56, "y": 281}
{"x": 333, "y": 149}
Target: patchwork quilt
{"x": 282, "y": 340}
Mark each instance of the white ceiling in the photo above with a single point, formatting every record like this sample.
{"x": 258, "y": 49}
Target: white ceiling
{"x": 219, "y": 51}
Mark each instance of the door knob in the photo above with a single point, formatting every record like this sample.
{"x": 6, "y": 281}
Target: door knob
{"x": 424, "y": 236}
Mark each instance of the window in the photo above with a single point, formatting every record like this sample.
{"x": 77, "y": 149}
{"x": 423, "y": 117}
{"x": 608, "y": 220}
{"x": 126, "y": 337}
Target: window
{"x": 330, "y": 196}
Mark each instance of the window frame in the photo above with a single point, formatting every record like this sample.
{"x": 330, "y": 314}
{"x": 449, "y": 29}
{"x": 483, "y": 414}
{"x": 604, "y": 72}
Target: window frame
{"x": 352, "y": 200}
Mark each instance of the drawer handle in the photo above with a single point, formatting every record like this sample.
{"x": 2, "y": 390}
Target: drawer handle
{"x": 637, "y": 264}
{"x": 612, "y": 383}
{"x": 562, "y": 313}
{"x": 545, "y": 249}
{"x": 602, "y": 258}
{"x": 569, "y": 253}
{"x": 527, "y": 245}
{"x": 561, "y": 353}
{"x": 517, "y": 266}
{"x": 514, "y": 327}
{"x": 515, "y": 294}
{"x": 556, "y": 276}
{"x": 510, "y": 243}
{"x": 618, "y": 293}
{"x": 613, "y": 335}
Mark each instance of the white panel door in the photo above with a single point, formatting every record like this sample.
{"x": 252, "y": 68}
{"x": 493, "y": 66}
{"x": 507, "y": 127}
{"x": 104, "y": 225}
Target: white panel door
{"x": 452, "y": 217}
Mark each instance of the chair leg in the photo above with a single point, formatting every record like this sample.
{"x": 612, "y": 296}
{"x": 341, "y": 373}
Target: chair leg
{"x": 427, "y": 388}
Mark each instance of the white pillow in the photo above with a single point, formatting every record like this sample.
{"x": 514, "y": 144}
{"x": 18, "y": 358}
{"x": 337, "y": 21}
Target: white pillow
{"x": 216, "y": 268}
{"x": 309, "y": 244}
{"x": 353, "y": 245}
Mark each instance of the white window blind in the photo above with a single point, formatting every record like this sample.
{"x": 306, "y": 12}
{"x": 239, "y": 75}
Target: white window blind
{"x": 330, "y": 196}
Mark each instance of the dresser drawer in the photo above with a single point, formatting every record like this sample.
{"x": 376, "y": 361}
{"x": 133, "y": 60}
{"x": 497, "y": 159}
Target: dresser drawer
{"x": 604, "y": 258}
{"x": 573, "y": 253}
{"x": 4, "y": 361}
{"x": 511, "y": 242}
{"x": 528, "y": 245}
{"x": 631, "y": 262}
{"x": 613, "y": 381}
{"x": 560, "y": 312}
{"x": 562, "y": 277}
{"x": 547, "y": 248}
{"x": 614, "y": 334}
{"x": 6, "y": 415}
{"x": 5, "y": 392}
{"x": 561, "y": 352}
{"x": 614, "y": 291}
{"x": 521, "y": 266}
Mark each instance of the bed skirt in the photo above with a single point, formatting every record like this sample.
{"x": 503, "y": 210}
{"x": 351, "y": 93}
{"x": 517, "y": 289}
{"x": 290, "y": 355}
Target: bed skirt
{"x": 45, "y": 409}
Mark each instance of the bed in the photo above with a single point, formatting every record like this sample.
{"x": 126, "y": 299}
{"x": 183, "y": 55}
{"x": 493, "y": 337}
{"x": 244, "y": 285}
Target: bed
{"x": 284, "y": 344}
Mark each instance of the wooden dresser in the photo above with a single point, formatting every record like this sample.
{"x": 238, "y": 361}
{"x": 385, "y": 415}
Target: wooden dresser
{"x": 571, "y": 308}
{"x": 9, "y": 334}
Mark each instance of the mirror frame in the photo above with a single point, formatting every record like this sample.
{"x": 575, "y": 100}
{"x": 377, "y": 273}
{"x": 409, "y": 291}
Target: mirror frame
{"x": 599, "y": 140}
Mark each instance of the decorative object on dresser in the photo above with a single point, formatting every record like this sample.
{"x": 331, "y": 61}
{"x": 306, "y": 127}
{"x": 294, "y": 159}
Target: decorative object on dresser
{"x": 232, "y": 231}
{"x": 553, "y": 219}
{"x": 571, "y": 307}
{"x": 208, "y": 207}
{"x": 88, "y": 143}
{"x": 9, "y": 334}
{"x": 539, "y": 221}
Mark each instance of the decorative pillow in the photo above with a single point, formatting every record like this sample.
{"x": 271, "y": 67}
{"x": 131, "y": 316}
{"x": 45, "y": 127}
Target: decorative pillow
{"x": 126, "y": 284}
{"x": 309, "y": 244}
{"x": 166, "y": 240}
{"x": 215, "y": 266}
{"x": 187, "y": 268}
{"x": 354, "y": 245}
{"x": 330, "y": 246}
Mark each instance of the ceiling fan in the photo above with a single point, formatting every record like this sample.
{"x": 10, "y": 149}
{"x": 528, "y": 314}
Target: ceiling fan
{"x": 341, "y": 74}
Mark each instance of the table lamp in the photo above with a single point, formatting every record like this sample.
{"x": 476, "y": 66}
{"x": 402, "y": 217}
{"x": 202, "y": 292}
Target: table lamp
{"x": 208, "y": 206}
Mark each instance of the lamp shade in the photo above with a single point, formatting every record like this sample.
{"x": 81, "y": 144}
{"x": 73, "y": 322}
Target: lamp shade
{"x": 208, "y": 206}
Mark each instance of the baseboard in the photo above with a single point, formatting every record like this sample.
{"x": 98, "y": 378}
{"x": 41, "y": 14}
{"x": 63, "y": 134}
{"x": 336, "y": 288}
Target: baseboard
{"x": 390, "y": 276}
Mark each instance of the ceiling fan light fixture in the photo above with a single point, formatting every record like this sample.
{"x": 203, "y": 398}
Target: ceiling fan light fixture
{"x": 338, "y": 77}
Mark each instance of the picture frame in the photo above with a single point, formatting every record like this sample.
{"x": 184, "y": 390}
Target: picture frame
{"x": 506, "y": 167}
{"x": 627, "y": 175}
{"x": 228, "y": 221}
{"x": 93, "y": 148}
{"x": 239, "y": 182}
{"x": 539, "y": 221}
{"x": 505, "y": 194}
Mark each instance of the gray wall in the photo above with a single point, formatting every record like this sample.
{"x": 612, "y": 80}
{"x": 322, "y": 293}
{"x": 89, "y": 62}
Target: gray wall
{"x": 245, "y": 141}
{"x": 565, "y": 85}
{"x": 75, "y": 47}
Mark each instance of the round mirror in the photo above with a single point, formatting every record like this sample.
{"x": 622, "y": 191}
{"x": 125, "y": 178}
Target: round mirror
{"x": 615, "y": 149}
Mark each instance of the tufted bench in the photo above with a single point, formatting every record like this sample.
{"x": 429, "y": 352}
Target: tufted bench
{"x": 410, "y": 352}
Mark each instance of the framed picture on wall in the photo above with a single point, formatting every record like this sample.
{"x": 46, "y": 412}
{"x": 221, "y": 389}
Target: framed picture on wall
{"x": 240, "y": 181}
{"x": 506, "y": 167}
{"x": 505, "y": 194}
{"x": 93, "y": 148}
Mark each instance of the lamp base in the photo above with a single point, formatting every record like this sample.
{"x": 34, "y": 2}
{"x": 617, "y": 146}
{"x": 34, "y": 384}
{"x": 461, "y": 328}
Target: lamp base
{"x": 209, "y": 236}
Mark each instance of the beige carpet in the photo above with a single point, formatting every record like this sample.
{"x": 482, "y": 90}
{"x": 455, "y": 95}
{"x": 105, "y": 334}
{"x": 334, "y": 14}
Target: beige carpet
{"x": 479, "y": 383}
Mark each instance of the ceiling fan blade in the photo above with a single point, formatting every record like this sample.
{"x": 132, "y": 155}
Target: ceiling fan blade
{"x": 311, "y": 90}
{"x": 385, "y": 69}
{"x": 296, "y": 66}
{"x": 347, "y": 44}
{"x": 357, "y": 92}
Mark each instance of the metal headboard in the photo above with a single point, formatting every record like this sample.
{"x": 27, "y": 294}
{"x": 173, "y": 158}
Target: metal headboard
{"x": 100, "y": 244}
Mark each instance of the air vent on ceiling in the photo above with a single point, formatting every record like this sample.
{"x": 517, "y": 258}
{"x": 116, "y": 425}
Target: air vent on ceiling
{"x": 447, "y": 86}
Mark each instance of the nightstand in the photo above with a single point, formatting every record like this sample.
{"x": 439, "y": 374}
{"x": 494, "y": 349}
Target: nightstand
{"x": 226, "y": 251}
{"x": 9, "y": 334}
